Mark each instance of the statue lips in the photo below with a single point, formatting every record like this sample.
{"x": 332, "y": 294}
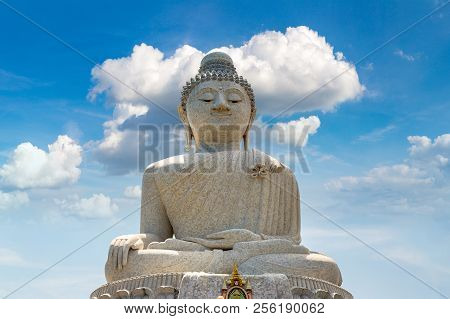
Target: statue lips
{"x": 220, "y": 111}
{"x": 216, "y": 113}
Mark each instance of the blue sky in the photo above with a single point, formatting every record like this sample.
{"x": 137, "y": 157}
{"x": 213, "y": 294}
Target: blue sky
{"x": 378, "y": 156}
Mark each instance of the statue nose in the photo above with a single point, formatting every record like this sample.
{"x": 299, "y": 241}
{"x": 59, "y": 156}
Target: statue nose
{"x": 220, "y": 104}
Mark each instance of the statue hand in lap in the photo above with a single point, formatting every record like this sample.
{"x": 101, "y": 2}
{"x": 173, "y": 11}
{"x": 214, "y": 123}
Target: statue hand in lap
{"x": 225, "y": 239}
{"x": 120, "y": 247}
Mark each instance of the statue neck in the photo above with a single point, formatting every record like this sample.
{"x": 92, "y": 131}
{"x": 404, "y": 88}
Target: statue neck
{"x": 203, "y": 147}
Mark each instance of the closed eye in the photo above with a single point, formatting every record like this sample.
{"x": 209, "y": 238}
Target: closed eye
{"x": 206, "y": 97}
{"x": 234, "y": 98}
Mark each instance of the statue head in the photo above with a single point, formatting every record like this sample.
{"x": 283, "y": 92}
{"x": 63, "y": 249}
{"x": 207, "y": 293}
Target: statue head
{"x": 217, "y": 106}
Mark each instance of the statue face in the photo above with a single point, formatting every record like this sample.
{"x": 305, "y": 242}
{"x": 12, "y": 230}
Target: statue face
{"x": 218, "y": 112}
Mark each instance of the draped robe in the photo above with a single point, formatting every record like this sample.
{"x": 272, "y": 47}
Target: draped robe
{"x": 204, "y": 193}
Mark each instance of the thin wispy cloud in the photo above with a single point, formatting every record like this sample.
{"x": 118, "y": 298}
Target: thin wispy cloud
{"x": 368, "y": 67}
{"x": 92, "y": 114}
{"x": 12, "y": 200}
{"x": 133, "y": 192}
{"x": 11, "y": 258}
{"x": 376, "y": 135}
{"x": 96, "y": 206}
{"x": 10, "y": 81}
{"x": 405, "y": 56}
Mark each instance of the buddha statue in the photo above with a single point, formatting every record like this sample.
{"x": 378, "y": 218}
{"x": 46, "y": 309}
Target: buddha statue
{"x": 224, "y": 203}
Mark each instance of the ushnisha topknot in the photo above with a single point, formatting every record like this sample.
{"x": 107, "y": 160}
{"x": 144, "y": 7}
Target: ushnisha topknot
{"x": 217, "y": 66}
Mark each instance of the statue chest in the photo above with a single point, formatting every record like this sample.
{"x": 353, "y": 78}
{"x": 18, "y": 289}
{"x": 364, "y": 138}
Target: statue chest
{"x": 201, "y": 202}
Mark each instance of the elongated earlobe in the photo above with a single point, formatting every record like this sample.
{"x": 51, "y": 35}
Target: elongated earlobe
{"x": 246, "y": 135}
{"x": 187, "y": 147}
{"x": 245, "y": 138}
{"x": 187, "y": 128}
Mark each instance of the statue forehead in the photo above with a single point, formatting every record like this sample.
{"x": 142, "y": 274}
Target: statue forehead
{"x": 218, "y": 86}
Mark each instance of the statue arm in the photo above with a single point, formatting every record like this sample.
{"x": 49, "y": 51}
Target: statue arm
{"x": 154, "y": 221}
{"x": 155, "y": 226}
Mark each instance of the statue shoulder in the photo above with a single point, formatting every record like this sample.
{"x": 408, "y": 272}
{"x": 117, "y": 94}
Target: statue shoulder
{"x": 261, "y": 158}
{"x": 166, "y": 165}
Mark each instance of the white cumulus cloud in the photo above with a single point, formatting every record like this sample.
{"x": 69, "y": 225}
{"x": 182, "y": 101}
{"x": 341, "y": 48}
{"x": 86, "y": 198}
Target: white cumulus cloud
{"x": 132, "y": 191}
{"x": 382, "y": 177}
{"x": 96, "y": 206}
{"x": 424, "y": 145}
{"x": 420, "y": 184}
{"x": 31, "y": 167}
{"x": 281, "y": 67}
{"x": 117, "y": 142}
{"x": 296, "y": 132}
{"x": 12, "y": 200}
{"x": 119, "y": 148}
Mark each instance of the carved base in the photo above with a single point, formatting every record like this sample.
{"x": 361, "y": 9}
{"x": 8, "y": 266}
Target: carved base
{"x": 194, "y": 285}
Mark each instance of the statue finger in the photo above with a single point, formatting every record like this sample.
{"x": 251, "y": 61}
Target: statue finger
{"x": 120, "y": 254}
{"x": 218, "y": 235}
{"x": 219, "y": 244}
{"x": 111, "y": 250}
{"x": 234, "y": 235}
{"x": 114, "y": 254}
{"x": 200, "y": 241}
{"x": 126, "y": 251}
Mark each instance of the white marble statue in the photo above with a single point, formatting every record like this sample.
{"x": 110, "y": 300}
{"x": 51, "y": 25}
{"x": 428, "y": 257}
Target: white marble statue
{"x": 223, "y": 203}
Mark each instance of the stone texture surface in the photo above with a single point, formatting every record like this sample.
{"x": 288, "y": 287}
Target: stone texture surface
{"x": 202, "y": 285}
{"x": 208, "y": 286}
{"x": 253, "y": 258}
{"x": 142, "y": 287}
{"x": 310, "y": 265}
{"x": 205, "y": 195}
